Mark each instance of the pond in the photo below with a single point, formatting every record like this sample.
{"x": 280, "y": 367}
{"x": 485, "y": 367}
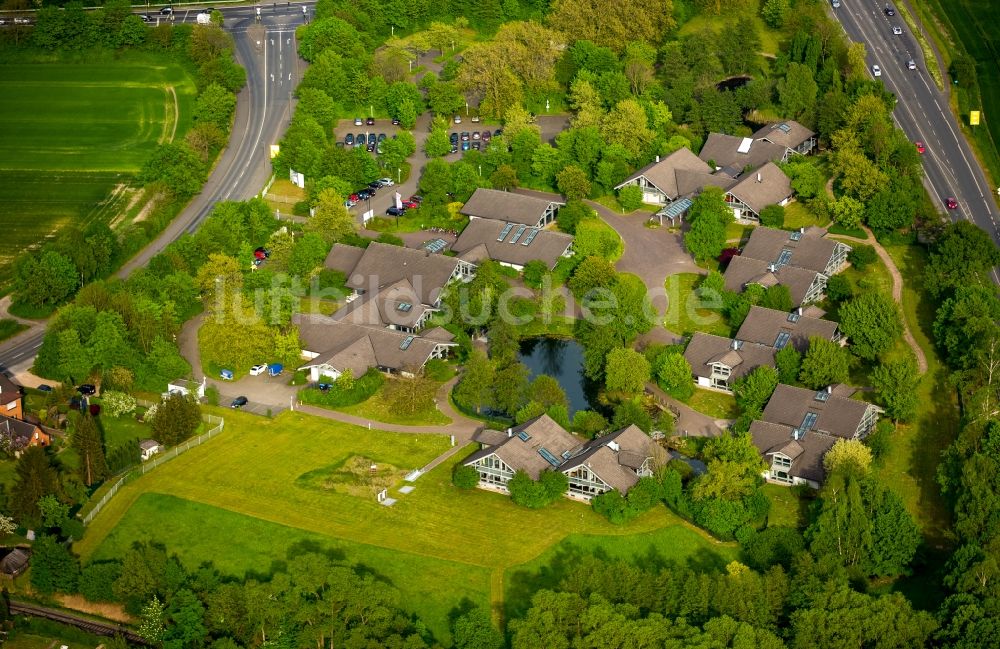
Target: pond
{"x": 732, "y": 83}
{"x": 562, "y": 359}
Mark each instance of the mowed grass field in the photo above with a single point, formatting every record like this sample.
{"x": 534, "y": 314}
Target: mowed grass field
{"x": 239, "y": 502}
{"x": 71, "y": 134}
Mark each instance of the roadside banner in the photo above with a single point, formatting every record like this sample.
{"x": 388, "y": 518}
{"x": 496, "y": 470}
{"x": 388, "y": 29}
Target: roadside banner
{"x": 399, "y": 201}
{"x": 275, "y": 149}
{"x": 367, "y": 216}
{"x": 973, "y": 118}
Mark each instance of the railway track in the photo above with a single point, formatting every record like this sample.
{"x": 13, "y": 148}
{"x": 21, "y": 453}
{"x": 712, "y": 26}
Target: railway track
{"x": 107, "y": 629}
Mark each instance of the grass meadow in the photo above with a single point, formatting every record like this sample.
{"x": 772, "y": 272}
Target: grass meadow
{"x": 72, "y": 135}
{"x": 240, "y": 500}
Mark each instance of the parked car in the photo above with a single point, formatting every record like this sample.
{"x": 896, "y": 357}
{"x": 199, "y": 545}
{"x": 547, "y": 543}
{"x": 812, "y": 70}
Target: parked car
{"x": 477, "y": 146}
{"x": 897, "y": 30}
{"x": 349, "y": 140}
{"x": 359, "y": 139}
{"x": 257, "y": 370}
{"x": 86, "y": 389}
{"x": 911, "y": 65}
{"x": 476, "y": 135}
{"x": 372, "y": 138}
{"x": 475, "y": 119}
{"x": 465, "y": 146}
{"x": 453, "y": 138}
{"x": 354, "y": 197}
{"x": 454, "y": 148}
{"x": 951, "y": 203}
{"x": 374, "y": 185}
{"x": 370, "y": 121}
{"x": 889, "y": 11}
{"x": 349, "y": 203}
{"x": 465, "y": 136}
{"x": 458, "y": 119}
{"x": 381, "y": 137}
{"x": 358, "y": 121}
{"x": 395, "y": 121}
{"x": 486, "y": 137}
{"x": 262, "y": 253}
{"x": 395, "y": 211}
{"x": 239, "y": 402}
{"x": 410, "y": 205}
{"x": 876, "y": 71}
{"x": 44, "y": 387}
{"x": 498, "y": 132}
{"x": 324, "y": 387}
{"x": 226, "y": 375}
{"x": 417, "y": 198}
{"x": 920, "y": 147}
{"x": 386, "y": 182}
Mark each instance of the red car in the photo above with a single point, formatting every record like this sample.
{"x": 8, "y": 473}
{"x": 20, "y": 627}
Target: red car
{"x": 354, "y": 197}
{"x": 920, "y": 147}
{"x": 951, "y": 203}
{"x": 411, "y": 205}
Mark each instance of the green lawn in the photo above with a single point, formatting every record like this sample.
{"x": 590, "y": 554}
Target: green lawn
{"x": 911, "y": 463}
{"x": 74, "y": 134}
{"x": 248, "y": 483}
{"x": 797, "y": 215}
{"x": 687, "y": 312}
{"x": 10, "y": 327}
{"x": 379, "y": 408}
{"x": 769, "y": 38}
{"x": 787, "y": 509}
{"x": 118, "y": 430}
{"x": 714, "y": 404}
{"x": 735, "y": 232}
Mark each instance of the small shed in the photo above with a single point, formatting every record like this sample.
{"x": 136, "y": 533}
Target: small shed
{"x": 186, "y": 387}
{"x": 15, "y": 562}
{"x": 274, "y": 369}
{"x": 149, "y": 448}
{"x": 226, "y": 375}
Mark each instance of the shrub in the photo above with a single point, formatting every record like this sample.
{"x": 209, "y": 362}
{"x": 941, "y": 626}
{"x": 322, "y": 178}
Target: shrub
{"x": 862, "y": 256}
{"x": 773, "y": 216}
{"x": 839, "y": 289}
{"x": 534, "y": 272}
{"x": 360, "y": 389}
{"x": 97, "y": 581}
{"x": 774, "y": 545}
{"x": 464, "y": 477}
{"x": 117, "y": 404}
{"x": 630, "y": 197}
{"x": 526, "y": 492}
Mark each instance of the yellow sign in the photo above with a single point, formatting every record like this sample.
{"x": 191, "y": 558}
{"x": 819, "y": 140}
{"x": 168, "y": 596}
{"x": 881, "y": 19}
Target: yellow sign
{"x": 274, "y": 150}
{"x": 973, "y": 118}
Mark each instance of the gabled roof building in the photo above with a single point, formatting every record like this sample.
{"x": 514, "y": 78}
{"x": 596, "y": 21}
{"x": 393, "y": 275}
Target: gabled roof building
{"x": 739, "y": 155}
{"x": 717, "y": 362}
{"x": 663, "y": 180}
{"x": 804, "y": 286}
{"x": 780, "y": 329}
{"x": 795, "y": 137}
{"x": 511, "y": 244}
{"x": 799, "y": 426}
{"x": 511, "y": 207}
{"x": 614, "y": 461}
{"x": 768, "y": 185}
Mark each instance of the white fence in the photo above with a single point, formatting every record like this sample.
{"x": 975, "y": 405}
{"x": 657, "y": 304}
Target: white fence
{"x": 157, "y": 460}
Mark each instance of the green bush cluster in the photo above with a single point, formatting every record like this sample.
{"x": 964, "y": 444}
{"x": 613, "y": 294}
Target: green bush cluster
{"x": 361, "y": 389}
{"x": 550, "y": 487}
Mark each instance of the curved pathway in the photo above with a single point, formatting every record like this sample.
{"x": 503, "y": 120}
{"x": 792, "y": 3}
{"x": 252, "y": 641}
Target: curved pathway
{"x": 897, "y": 292}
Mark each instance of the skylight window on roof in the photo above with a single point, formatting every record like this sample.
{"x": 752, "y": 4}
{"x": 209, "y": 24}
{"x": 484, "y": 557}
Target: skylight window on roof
{"x": 809, "y": 421}
{"x": 795, "y": 236}
{"x": 745, "y": 145}
{"x": 822, "y": 396}
{"x": 506, "y": 230}
{"x": 784, "y": 128}
{"x": 517, "y": 235}
{"x": 793, "y": 316}
{"x": 784, "y": 257}
{"x": 566, "y": 455}
{"x": 549, "y": 457}
{"x": 406, "y": 343}
{"x": 523, "y": 436}
{"x": 404, "y": 307}
{"x": 531, "y": 237}
{"x": 782, "y": 340}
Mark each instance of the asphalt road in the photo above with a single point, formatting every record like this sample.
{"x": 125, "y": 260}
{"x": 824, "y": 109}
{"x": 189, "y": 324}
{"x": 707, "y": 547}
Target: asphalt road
{"x": 924, "y": 115}
{"x": 263, "y": 110}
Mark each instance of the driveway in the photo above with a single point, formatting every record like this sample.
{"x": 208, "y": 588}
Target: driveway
{"x": 653, "y": 254}
{"x": 688, "y": 422}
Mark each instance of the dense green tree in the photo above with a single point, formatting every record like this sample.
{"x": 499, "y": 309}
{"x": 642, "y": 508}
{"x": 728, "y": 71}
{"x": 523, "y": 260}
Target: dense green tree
{"x": 215, "y": 105}
{"x": 788, "y": 361}
{"x": 330, "y": 220}
{"x": 176, "y": 167}
{"x": 962, "y": 255}
{"x": 475, "y": 630}
{"x": 630, "y": 197}
{"x": 53, "y": 567}
{"x": 44, "y": 279}
{"x": 872, "y": 323}
{"x": 629, "y": 412}
{"x": 87, "y": 443}
{"x": 626, "y": 370}
{"x": 825, "y": 363}
{"x": 797, "y": 92}
{"x": 777, "y": 297}
{"x": 35, "y": 479}
{"x": 571, "y": 214}
{"x": 773, "y": 216}
{"x": 510, "y": 385}
{"x": 177, "y": 417}
{"x": 894, "y": 382}
{"x": 673, "y": 374}
{"x": 754, "y": 389}
{"x": 709, "y": 216}
{"x": 589, "y": 423}
{"x": 573, "y": 183}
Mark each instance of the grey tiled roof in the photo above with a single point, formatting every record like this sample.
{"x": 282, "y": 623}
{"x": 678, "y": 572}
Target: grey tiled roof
{"x": 381, "y": 265}
{"x": 704, "y": 349}
{"x": 662, "y": 174}
{"x": 743, "y": 270}
{"x": 723, "y": 150}
{"x": 763, "y": 326}
{"x": 506, "y": 206}
{"x": 767, "y": 185}
{"x": 806, "y": 453}
{"x": 795, "y": 135}
{"x": 810, "y": 251}
{"x": 614, "y": 457}
{"x": 836, "y": 415}
{"x": 546, "y": 245}
{"x": 523, "y": 454}
{"x": 387, "y": 307}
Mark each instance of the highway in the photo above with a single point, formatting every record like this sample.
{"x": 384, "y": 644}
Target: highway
{"x": 923, "y": 113}
{"x": 263, "y": 110}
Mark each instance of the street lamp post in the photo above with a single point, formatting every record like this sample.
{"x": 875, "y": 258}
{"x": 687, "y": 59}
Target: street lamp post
{"x": 480, "y": 171}
{"x": 399, "y": 175}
